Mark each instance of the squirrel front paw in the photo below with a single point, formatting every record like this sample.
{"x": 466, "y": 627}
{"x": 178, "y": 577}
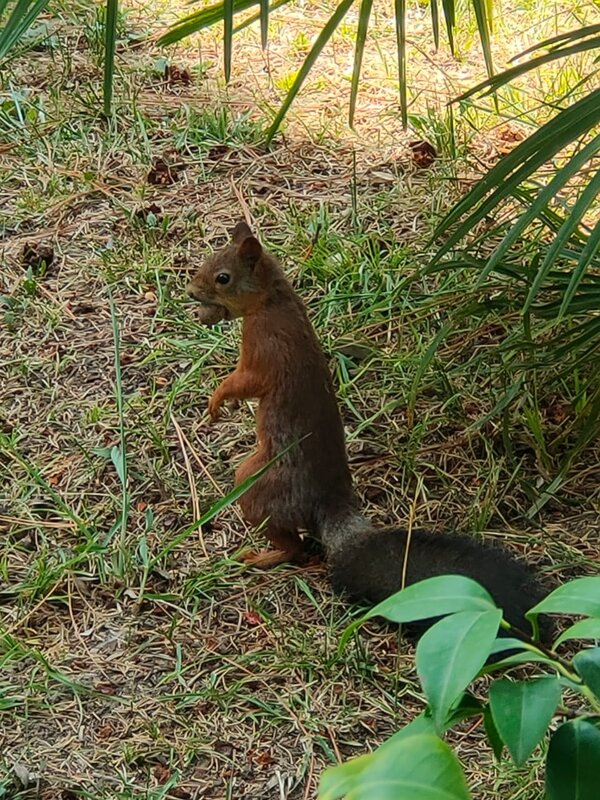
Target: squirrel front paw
{"x": 214, "y": 407}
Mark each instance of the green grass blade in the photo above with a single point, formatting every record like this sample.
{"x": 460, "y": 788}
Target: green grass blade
{"x": 110, "y": 40}
{"x": 587, "y": 254}
{"x": 484, "y": 24}
{"x": 450, "y": 17}
{"x": 435, "y": 23}
{"x": 361, "y": 35}
{"x": 400, "y": 9}
{"x": 264, "y": 22}
{"x": 583, "y": 203}
{"x": 322, "y": 39}
{"x": 227, "y": 36}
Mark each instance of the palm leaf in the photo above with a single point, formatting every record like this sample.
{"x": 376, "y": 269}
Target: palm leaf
{"x": 400, "y": 7}
{"x": 22, "y": 17}
{"x": 450, "y": 17}
{"x": 435, "y": 23}
{"x": 199, "y": 20}
{"x": 495, "y": 82}
{"x": 483, "y": 15}
{"x": 583, "y": 203}
{"x": 227, "y": 36}
{"x": 110, "y": 41}
{"x": 569, "y": 36}
{"x": 361, "y": 36}
{"x": 503, "y": 179}
{"x": 264, "y": 22}
{"x": 322, "y": 39}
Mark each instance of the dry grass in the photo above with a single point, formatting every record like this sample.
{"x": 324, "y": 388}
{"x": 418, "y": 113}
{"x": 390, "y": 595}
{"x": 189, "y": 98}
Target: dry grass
{"x": 192, "y": 677}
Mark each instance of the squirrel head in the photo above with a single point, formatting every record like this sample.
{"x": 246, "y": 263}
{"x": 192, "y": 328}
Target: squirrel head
{"x": 231, "y": 281}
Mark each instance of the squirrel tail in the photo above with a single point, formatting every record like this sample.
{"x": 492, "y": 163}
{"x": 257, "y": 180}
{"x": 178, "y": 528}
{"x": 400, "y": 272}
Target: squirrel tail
{"x": 368, "y": 564}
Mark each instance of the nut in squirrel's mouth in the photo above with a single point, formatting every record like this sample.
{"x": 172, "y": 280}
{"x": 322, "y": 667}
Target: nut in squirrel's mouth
{"x": 211, "y": 313}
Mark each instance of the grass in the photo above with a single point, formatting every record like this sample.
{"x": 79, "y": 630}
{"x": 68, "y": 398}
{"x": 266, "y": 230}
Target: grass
{"x": 141, "y": 660}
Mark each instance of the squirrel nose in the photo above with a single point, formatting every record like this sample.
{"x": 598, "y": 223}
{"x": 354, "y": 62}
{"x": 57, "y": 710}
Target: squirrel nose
{"x": 191, "y": 291}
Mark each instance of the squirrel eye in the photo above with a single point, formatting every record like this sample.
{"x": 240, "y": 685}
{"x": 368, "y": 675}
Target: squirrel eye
{"x": 222, "y": 277}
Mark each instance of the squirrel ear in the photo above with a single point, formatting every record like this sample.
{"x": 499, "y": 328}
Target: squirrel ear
{"x": 250, "y": 250}
{"x": 240, "y": 232}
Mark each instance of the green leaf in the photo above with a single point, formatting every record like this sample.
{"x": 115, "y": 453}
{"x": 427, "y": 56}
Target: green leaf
{"x": 581, "y": 596}
{"x": 587, "y": 255}
{"x": 587, "y": 666}
{"x": 361, "y": 36}
{"x": 322, "y": 39}
{"x": 110, "y": 41}
{"x": 584, "y": 629}
{"x": 116, "y": 456}
{"x": 522, "y": 712}
{"x": 433, "y": 597}
{"x": 420, "y": 766}
{"x": 572, "y": 762}
{"x": 451, "y": 653}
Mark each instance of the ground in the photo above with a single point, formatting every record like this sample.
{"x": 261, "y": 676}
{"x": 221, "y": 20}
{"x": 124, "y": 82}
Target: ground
{"x": 139, "y": 658}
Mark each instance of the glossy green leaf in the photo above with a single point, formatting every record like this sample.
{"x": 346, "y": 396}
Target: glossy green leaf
{"x": 587, "y": 666}
{"x": 451, "y": 653}
{"x": 584, "y": 629}
{"x": 492, "y": 734}
{"x": 522, "y": 712}
{"x": 580, "y": 596}
{"x": 572, "y": 764}
{"x": 364, "y": 15}
{"x": 420, "y": 766}
{"x": 322, "y": 39}
{"x": 442, "y": 594}
{"x": 338, "y": 781}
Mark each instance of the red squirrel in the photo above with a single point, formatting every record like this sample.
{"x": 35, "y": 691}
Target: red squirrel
{"x": 310, "y": 487}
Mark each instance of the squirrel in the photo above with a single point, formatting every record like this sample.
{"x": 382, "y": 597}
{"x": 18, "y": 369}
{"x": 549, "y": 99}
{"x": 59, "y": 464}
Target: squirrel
{"x": 310, "y": 487}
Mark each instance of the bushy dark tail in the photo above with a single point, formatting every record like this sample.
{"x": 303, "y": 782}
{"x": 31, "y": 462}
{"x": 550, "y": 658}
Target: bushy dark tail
{"x": 367, "y": 565}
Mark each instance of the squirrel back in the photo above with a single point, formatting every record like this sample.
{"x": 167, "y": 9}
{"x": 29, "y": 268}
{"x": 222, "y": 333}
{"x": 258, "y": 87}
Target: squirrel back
{"x": 282, "y": 365}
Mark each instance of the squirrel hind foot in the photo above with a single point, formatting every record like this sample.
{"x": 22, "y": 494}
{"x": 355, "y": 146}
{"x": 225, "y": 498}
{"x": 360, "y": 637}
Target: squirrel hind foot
{"x": 264, "y": 559}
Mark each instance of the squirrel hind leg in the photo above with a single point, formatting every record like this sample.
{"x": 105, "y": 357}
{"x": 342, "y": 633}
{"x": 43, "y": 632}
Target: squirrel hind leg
{"x": 289, "y": 548}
